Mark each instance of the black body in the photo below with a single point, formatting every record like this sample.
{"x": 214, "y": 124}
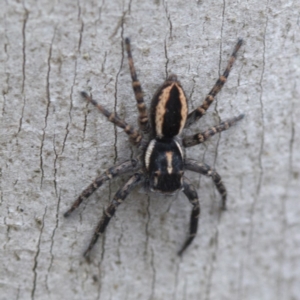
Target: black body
{"x": 163, "y": 162}
{"x": 165, "y": 167}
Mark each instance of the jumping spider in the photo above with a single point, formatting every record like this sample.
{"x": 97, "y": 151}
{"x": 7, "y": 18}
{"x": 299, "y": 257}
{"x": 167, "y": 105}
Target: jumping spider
{"x": 162, "y": 164}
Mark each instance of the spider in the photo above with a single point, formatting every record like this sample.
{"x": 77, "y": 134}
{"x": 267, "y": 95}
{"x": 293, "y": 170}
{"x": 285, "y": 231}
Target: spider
{"x": 162, "y": 163}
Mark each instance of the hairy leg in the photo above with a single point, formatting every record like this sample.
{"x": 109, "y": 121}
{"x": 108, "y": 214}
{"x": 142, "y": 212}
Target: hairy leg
{"x": 143, "y": 120}
{"x": 201, "y": 110}
{"x": 125, "y": 167}
{"x": 134, "y": 136}
{"x": 111, "y": 209}
{"x": 208, "y": 171}
{"x": 191, "y": 194}
{"x": 199, "y": 138}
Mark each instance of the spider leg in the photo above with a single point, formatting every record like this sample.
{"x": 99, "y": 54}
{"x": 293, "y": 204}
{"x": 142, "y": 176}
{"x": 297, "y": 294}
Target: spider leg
{"x": 196, "y": 114}
{"x": 125, "y": 167}
{"x": 199, "y": 138}
{"x": 208, "y": 171}
{"x": 138, "y": 93}
{"x": 111, "y": 209}
{"x": 191, "y": 194}
{"x": 134, "y": 136}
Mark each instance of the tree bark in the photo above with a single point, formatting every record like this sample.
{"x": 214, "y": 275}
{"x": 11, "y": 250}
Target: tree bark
{"x": 53, "y": 145}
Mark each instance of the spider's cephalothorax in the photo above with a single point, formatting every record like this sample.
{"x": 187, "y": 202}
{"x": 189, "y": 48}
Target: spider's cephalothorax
{"x": 164, "y": 164}
{"x": 163, "y": 161}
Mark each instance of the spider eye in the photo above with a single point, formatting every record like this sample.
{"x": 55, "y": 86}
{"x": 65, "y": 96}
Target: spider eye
{"x": 157, "y": 173}
{"x": 155, "y": 179}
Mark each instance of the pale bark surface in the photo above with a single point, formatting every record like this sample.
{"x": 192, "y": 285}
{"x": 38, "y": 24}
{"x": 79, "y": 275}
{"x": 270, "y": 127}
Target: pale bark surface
{"x": 53, "y": 145}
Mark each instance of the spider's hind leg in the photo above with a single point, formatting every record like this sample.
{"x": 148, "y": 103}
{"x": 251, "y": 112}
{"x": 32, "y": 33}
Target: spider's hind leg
{"x": 111, "y": 209}
{"x": 134, "y": 136}
{"x": 199, "y": 138}
{"x": 143, "y": 119}
{"x": 196, "y": 114}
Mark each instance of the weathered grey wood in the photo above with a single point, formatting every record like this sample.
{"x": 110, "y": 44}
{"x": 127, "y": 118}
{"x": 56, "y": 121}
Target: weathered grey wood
{"x": 53, "y": 145}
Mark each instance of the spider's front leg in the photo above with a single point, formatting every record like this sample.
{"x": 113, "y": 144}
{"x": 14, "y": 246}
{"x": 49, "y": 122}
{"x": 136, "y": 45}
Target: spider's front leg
{"x": 191, "y": 194}
{"x": 125, "y": 167}
{"x": 111, "y": 209}
{"x": 205, "y": 169}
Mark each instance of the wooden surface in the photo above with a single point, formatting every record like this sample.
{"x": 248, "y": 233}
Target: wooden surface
{"x": 53, "y": 145}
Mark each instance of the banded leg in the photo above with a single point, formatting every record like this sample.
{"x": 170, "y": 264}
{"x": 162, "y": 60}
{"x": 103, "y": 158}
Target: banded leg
{"x": 134, "y": 136}
{"x": 111, "y": 209}
{"x": 208, "y": 171}
{"x": 191, "y": 194}
{"x": 138, "y": 92}
{"x": 199, "y": 138}
{"x": 201, "y": 110}
{"x": 127, "y": 166}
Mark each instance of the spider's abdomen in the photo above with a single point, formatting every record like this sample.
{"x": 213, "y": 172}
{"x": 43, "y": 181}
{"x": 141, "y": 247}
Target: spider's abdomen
{"x": 169, "y": 109}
